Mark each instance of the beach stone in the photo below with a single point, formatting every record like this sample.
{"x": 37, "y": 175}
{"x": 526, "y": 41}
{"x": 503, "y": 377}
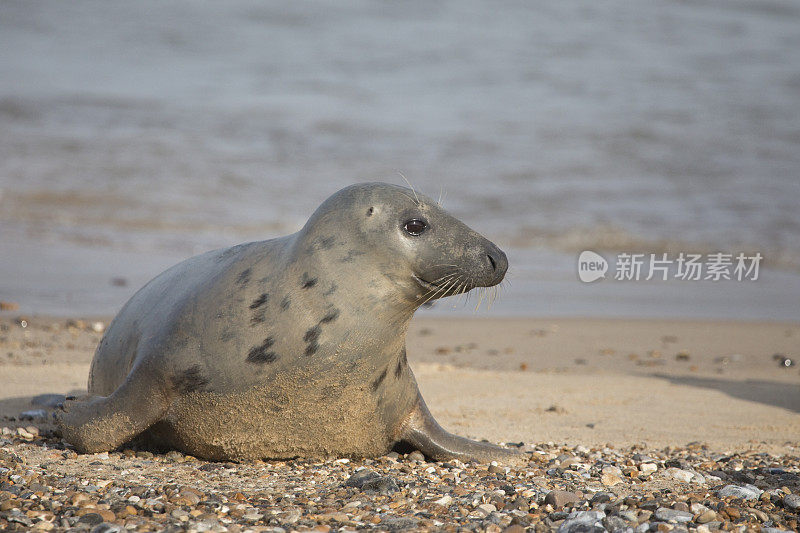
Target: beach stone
{"x": 381, "y": 485}
{"x": 680, "y": 474}
{"x": 791, "y": 501}
{"x": 358, "y": 479}
{"x": 444, "y": 501}
{"x": 677, "y": 462}
{"x": 399, "y": 523}
{"x": 568, "y": 463}
{"x": 583, "y": 522}
{"x": 91, "y": 519}
{"x": 609, "y": 480}
{"x": 602, "y": 497}
{"x": 486, "y": 509}
{"x": 746, "y": 492}
{"x": 705, "y": 517}
{"x": 416, "y": 455}
{"x": 669, "y": 515}
{"x": 559, "y": 498}
{"x": 648, "y": 468}
{"x": 105, "y": 527}
{"x": 616, "y": 524}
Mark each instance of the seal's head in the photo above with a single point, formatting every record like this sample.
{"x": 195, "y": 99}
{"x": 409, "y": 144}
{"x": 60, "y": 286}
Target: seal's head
{"x": 408, "y": 239}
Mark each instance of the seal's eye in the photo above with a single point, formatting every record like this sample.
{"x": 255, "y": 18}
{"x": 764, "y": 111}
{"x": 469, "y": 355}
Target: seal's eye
{"x": 415, "y": 226}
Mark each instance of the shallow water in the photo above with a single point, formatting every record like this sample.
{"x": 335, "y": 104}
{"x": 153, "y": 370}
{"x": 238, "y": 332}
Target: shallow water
{"x": 135, "y": 134}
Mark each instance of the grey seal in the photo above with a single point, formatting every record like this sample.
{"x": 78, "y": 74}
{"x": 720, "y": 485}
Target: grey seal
{"x": 290, "y": 347}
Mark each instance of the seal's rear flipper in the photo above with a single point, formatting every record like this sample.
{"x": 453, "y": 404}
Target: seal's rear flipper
{"x": 421, "y": 431}
{"x": 99, "y": 423}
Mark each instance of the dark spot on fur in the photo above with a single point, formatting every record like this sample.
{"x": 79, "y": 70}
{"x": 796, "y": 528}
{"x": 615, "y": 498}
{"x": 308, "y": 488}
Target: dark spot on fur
{"x": 379, "y": 380}
{"x": 285, "y": 303}
{"x": 190, "y": 380}
{"x": 351, "y": 256}
{"x": 401, "y": 363}
{"x": 370, "y": 211}
{"x": 258, "y": 302}
{"x": 259, "y": 317}
{"x": 330, "y": 317}
{"x": 312, "y": 335}
{"x": 311, "y": 338}
{"x": 244, "y": 277}
{"x": 330, "y": 291}
{"x": 307, "y": 281}
{"x": 261, "y": 353}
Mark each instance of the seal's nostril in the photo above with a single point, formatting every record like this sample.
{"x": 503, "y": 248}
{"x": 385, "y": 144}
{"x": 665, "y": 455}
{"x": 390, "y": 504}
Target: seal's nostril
{"x": 492, "y": 261}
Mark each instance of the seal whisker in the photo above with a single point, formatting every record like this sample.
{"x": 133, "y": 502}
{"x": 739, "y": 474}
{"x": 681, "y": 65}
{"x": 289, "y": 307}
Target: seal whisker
{"x": 410, "y": 187}
{"x": 437, "y": 283}
{"x": 480, "y": 299}
{"x": 441, "y": 291}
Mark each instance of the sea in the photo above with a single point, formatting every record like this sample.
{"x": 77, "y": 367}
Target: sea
{"x": 136, "y": 134}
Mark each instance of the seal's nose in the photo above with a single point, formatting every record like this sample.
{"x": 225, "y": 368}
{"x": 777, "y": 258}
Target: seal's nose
{"x": 498, "y": 262}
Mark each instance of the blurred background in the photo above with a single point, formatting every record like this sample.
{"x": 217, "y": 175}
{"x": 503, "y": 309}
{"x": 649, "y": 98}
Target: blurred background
{"x": 135, "y": 134}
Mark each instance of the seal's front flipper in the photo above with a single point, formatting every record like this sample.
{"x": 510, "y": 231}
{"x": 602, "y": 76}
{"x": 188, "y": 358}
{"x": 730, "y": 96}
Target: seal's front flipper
{"x": 425, "y": 434}
{"x": 98, "y": 423}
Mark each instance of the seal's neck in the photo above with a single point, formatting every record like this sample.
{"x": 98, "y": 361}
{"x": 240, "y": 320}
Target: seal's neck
{"x": 345, "y": 289}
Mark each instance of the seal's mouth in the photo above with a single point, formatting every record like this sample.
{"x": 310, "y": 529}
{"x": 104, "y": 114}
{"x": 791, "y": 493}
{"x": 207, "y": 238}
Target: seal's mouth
{"x": 425, "y": 284}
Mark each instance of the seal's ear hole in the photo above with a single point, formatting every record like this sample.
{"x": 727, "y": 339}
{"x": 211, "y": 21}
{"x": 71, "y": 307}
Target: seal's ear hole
{"x": 370, "y": 211}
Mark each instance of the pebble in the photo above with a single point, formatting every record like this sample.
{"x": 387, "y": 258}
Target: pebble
{"x": 672, "y": 515}
{"x": 705, "y": 517}
{"x": 680, "y": 474}
{"x": 746, "y": 492}
{"x": 358, "y": 479}
{"x": 791, "y": 501}
{"x": 416, "y": 455}
{"x": 582, "y": 522}
{"x": 381, "y": 485}
{"x": 609, "y": 480}
{"x": 486, "y": 509}
{"x": 444, "y": 501}
{"x": 559, "y": 498}
{"x": 648, "y": 468}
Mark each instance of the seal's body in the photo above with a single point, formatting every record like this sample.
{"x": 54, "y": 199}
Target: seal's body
{"x": 289, "y": 347}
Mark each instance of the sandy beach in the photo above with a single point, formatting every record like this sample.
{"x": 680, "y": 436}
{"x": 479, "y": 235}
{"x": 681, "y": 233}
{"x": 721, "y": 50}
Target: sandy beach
{"x": 576, "y": 381}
